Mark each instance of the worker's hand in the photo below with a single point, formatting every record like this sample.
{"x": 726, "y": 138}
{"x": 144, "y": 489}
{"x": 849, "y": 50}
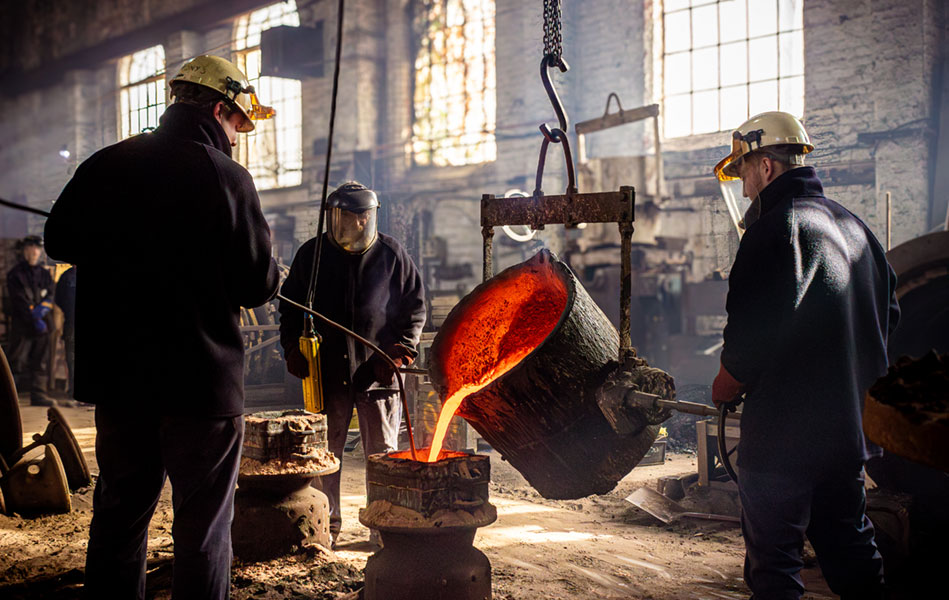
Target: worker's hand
{"x": 40, "y": 326}
{"x": 381, "y": 369}
{"x": 725, "y": 388}
{"x": 42, "y": 309}
{"x": 297, "y": 364}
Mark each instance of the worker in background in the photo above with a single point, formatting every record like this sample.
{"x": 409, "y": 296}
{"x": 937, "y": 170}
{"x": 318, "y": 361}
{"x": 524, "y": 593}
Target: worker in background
{"x": 30, "y": 288}
{"x": 810, "y": 305}
{"x": 368, "y": 283}
{"x": 168, "y": 233}
{"x": 65, "y": 299}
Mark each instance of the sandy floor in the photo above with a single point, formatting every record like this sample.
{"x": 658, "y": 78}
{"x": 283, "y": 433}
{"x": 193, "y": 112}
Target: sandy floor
{"x": 597, "y": 547}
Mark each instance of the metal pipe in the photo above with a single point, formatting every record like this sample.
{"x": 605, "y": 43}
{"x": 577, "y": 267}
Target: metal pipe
{"x": 693, "y": 408}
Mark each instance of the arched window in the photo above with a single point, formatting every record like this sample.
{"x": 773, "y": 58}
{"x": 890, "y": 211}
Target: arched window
{"x": 273, "y": 152}
{"x": 141, "y": 90}
{"x": 455, "y": 90}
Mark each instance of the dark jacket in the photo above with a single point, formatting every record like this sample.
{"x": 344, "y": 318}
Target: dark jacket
{"x": 65, "y": 299}
{"x": 27, "y": 286}
{"x": 811, "y": 301}
{"x": 377, "y": 294}
{"x": 170, "y": 240}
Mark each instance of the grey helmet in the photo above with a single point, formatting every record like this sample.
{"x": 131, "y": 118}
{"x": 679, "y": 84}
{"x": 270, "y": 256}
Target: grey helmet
{"x": 352, "y": 217}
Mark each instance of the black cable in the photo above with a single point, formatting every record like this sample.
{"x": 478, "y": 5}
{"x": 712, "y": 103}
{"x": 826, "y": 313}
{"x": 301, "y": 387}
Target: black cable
{"x": 724, "y": 454}
{"x": 334, "y": 324}
{"x": 318, "y": 250}
{"x": 377, "y": 350}
{"x": 18, "y": 206}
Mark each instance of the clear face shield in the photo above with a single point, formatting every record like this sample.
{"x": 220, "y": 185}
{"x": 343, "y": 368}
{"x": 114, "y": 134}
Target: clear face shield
{"x": 354, "y": 232}
{"x": 730, "y": 184}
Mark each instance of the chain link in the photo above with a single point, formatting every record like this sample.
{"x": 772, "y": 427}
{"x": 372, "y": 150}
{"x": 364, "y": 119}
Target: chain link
{"x": 553, "y": 40}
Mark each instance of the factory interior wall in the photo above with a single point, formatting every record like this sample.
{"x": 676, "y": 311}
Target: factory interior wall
{"x": 872, "y": 83}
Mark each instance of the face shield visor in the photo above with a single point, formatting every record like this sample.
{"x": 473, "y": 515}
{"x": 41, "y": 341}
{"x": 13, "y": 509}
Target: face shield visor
{"x": 354, "y": 232}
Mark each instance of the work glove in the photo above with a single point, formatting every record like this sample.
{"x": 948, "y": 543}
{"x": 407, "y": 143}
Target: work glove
{"x": 725, "y": 388}
{"x": 40, "y": 326}
{"x": 39, "y": 313}
{"x": 297, "y": 364}
{"x": 382, "y": 370}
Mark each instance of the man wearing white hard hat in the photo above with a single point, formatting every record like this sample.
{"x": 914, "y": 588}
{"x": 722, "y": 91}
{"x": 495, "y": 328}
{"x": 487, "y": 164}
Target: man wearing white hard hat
{"x": 810, "y": 305}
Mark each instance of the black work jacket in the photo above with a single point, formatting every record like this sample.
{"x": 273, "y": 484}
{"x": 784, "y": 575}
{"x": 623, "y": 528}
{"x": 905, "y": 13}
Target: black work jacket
{"x": 811, "y": 301}
{"x": 377, "y": 294}
{"x": 27, "y": 286}
{"x": 170, "y": 242}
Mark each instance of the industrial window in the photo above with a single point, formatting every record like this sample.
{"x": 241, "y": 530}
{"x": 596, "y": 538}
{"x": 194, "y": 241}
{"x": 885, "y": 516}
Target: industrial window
{"x": 141, "y": 90}
{"x": 273, "y": 152}
{"x": 454, "y": 83}
{"x": 725, "y": 60}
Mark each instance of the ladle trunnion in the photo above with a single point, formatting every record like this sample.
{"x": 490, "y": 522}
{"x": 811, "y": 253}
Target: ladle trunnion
{"x": 542, "y": 414}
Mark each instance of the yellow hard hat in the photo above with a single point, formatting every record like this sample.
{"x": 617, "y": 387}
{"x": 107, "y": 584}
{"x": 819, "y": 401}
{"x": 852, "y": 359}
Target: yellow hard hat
{"x": 773, "y": 128}
{"x": 223, "y": 76}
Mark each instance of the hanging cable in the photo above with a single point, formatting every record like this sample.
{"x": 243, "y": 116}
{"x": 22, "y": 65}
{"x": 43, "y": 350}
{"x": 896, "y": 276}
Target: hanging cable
{"x": 317, "y": 251}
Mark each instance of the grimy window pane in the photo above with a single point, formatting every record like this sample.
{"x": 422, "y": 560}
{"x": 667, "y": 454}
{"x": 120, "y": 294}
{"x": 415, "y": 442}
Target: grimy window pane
{"x": 792, "y": 95}
{"x": 763, "y": 57}
{"x": 671, "y": 5}
{"x": 734, "y": 63}
{"x": 705, "y": 111}
{"x": 791, "y": 14}
{"x": 792, "y": 53}
{"x": 704, "y": 31}
{"x": 732, "y": 20}
{"x": 677, "y": 31}
{"x": 677, "y": 73}
{"x": 734, "y": 106}
{"x": 762, "y": 96}
{"x": 762, "y": 17}
{"x": 705, "y": 69}
{"x": 677, "y": 119}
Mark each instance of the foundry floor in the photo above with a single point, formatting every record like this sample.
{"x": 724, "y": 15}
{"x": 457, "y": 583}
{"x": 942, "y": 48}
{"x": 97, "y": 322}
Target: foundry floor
{"x": 597, "y": 547}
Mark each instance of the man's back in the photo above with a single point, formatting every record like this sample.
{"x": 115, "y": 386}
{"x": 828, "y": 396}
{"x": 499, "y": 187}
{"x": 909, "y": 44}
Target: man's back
{"x": 171, "y": 240}
{"x": 809, "y": 312}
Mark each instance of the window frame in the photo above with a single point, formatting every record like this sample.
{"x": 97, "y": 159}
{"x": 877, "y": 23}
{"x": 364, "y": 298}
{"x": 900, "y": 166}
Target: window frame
{"x": 154, "y": 82}
{"x": 687, "y": 138}
{"x": 430, "y": 143}
{"x": 271, "y": 171}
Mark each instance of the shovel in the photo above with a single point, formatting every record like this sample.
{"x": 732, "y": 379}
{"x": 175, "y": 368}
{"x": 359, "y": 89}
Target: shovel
{"x": 668, "y": 510}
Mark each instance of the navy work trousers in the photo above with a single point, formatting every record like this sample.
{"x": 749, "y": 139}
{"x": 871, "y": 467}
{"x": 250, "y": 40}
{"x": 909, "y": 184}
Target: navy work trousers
{"x": 379, "y": 413}
{"x": 778, "y": 510}
{"x": 135, "y": 452}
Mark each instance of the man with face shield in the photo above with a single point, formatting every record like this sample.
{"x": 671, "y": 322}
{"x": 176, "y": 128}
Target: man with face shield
{"x": 368, "y": 283}
{"x": 810, "y": 304}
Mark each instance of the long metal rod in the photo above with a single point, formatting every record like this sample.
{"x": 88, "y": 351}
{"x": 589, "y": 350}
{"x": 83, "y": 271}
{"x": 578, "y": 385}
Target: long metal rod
{"x": 19, "y": 206}
{"x": 377, "y": 350}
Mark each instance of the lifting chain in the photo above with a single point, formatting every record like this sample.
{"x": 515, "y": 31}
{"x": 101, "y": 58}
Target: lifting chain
{"x": 553, "y": 40}
{"x": 553, "y": 58}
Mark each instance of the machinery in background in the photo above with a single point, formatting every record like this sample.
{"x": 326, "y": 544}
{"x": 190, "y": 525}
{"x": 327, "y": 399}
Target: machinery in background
{"x": 31, "y": 485}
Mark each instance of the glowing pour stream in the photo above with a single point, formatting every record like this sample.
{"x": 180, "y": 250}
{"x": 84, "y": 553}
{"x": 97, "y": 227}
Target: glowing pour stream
{"x": 509, "y": 318}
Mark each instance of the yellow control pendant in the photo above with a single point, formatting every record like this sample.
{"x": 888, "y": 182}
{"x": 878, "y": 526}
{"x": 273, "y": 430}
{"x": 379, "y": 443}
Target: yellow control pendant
{"x": 313, "y": 383}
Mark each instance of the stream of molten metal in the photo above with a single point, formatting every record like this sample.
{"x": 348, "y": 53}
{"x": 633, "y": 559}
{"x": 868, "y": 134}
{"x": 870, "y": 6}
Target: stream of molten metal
{"x": 500, "y": 328}
{"x": 451, "y": 404}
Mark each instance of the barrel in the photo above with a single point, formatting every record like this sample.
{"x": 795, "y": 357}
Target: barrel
{"x": 540, "y": 412}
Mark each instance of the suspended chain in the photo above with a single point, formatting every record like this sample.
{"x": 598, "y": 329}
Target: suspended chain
{"x": 553, "y": 40}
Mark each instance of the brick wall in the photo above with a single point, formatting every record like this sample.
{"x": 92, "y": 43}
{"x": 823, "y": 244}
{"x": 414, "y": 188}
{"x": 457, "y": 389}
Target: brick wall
{"x": 870, "y": 73}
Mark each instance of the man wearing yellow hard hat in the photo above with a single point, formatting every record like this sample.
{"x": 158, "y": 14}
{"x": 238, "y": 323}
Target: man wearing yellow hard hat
{"x": 171, "y": 241}
{"x": 810, "y": 304}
